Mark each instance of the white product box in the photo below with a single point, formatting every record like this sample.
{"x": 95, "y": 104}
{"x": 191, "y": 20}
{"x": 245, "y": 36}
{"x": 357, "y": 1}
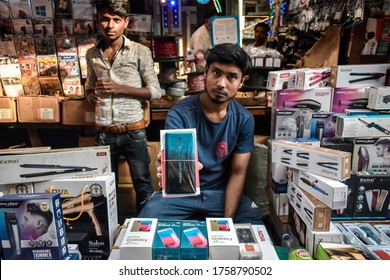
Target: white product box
{"x": 93, "y": 200}
{"x": 280, "y": 203}
{"x": 379, "y": 98}
{"x": 33, "y": 165}
{"x": 363, "y": 126}
{"x": 313, "y": 212}
{"x": 312, "y": 78}
{"x": 292, "y": 123}
{"x": 371, "y": 154}
{"x": 349, "y": 98}
{"x": 249, "y": 248}
{"x": 265, "y": 242}
{"x": 358, "y": 75}
{"x": 331, "y": 192}
{"x": 137, "y": 242}
{"x": 313, "y": 238}
{"x": 281, "y": 79}
{"x": 329, "y": 163}
{"x": 223, "y": 241}
{"x": 16, "y": 188}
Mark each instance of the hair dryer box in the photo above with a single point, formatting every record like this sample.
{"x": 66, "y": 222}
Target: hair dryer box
{"x": 90, "y": 210}
{"x": 32, "y": 227}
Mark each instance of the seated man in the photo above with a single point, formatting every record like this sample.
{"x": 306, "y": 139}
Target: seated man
{"x": 225, "y": 139}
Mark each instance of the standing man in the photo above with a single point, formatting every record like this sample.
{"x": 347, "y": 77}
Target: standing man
{"x": 225, "y": 132}
{"x": 123, "y": 69}
{"x": 201, "y": 38}
{"x": 261, "y": 34}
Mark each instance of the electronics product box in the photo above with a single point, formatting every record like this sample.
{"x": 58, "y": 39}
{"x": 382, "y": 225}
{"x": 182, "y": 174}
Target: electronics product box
{"x": 32, "y": 227}
{"x": 282, "y": 79}
{"x": 249, "y": 248}
{"x": 78, "y": 112}
{"x": 332, "y": 251}
{"x": 318, "y": 99}
{"x": 321, "y": 161}
{"x": 347, "y": 212}
{"x": 308, "y": 78}
{"x": 89, "y": 205}
{"x": 314, "y": 213}
{"x": 313, "y": 238}
{"x": 379, "y": 252}
{"x": 323, "y": 125}
{"x": 358, "y": 75}
{"x": 7, "y": 110}
{"x": 179, "y": 159}
{"x": 223, "y": 241}
{"x": 280, "y": 202}
{"x": 372, "y": 195}
{"x": 37, "y": 109}
{"x": 264, "y": 240}
{"x": 166, "y": 243}
{"x": 40, "y": 164}
{"x": 384, "y": 230}
{"x": 379, "y": 98}
{"x": 360, "y": 112}
{"x": 21, "y": 188}
{"x": 371, "y": 154}
{"x": 331, "y": 192}
{"x": 137, "y": 242}
{"x": 349, "y": 98}
{"x": 194, "y": 243}
{"x": 338, "y": 143}
{"x": 293, "y": 123}
{"x": 363, "y": 126}
{"x": 373, "y": 34}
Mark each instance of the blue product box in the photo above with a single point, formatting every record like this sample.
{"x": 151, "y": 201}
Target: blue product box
{"x": 166, "y": 243}
{"x": 194, "y": 243}
{"x": 32, "y": 227}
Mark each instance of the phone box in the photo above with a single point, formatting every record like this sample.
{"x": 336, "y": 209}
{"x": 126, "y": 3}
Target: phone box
{"x": 38, "y": 109}
{"x": 194, "y": 243}
{"x": 223, "y": 241}
{"x": 282, "y": 79}
{"x": 309, "y": 78}
{"x": 265, "y": 242}
{"x": 137, "y": 242}
{"x": 179, "y": 160}
{"x": 249, "y": 248}
{"x": 358, "y": 75}
{"x": 21, "y": 188}
{"x": 317, "y": 99}
{"x": 78, "y": 112}
{"x": 7, "y": 110}
{"x": 292, "y": 123}
{"x": 331, "y": 192}
{"x": 379, "y": 98}
{"x": 33, "y": 165}
{"x": 321, "y": 161}
{"x": 32, "y": 227}
{"x": 349, "y": 98}
{"x": 166, "y": 243}
{"x": 371, "y": 154}
{"x": 313, "y": 238}
{"x": 314, "y": 213}
{"x": 332, "y": 251}
{"x": 89, "y": 205}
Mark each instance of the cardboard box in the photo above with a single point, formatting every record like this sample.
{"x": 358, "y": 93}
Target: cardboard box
{"x": 194, "y": 243}
{"x": 223, "y": 241}
{"x": 137, "y": 242}
{"x": 32, "y": 227}
{"x": 264, "y": 240}
{"x": 314, "y": 213}
{"x": 33, "y": 165}
{"x": 313, "y": 238}
{"x": 371, "y": 154}
{"x": 331, "y": 251}
{"x": 7, "y": 110}
{"x": 349, "y": 98}
{"x": 309, "y": 78}
{"x": 373, "y": 33}
{"x": 21, "y": 188}
{"x": 249, "y": 248}
{"x": 283, "y": 79}
{"x": 166, "y": 243}
{"x": 321, "y": 161}
{"x": 36, "y": 109}
{"x": 347, "y": 212}
{"x": 279, "y": 202}
{"x": 89, "y": 205}
{"x": 323, "y": 125}
{"x": 379, "y": 98}
{"x": 293, "y": 123}
{"x": 78, "y": 112}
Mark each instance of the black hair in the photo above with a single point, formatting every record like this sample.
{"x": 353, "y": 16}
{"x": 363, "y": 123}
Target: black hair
{"x": 210, "y": 13}
{"x": 230, "y": 54}
{"x": 383, "y": 142}
{"x": 264, "y": 25}
{"x": 118, "y": 7}
{"x": 34, "y": 208}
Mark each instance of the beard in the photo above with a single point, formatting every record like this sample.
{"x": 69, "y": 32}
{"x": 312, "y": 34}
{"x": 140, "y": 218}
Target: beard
{"x": 216, "y": 100}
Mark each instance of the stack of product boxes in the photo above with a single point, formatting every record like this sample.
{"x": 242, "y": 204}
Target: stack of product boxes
{"x": 86, "y": 190}
{"x": 342, "y": 112}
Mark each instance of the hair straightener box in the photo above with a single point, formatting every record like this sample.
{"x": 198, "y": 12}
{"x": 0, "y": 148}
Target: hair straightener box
{"x": 358, "y": 75}
{"x": 194, "y": 243}
{"x": 363, "y": 126}
{"x": 223, "y": 241}
{"x": 41, "y": 164}
{"x": 313, "y": 238}
{"x": 137, "y": 243}
{"x": 309, "y": 78}
{"x": 249, "y": 248}
{"x": 179, "y": 160}
{"x": 166, "y": 243}
{"x": 329, "y": 163}
{"x": 32, "y": 227}
{"x": 21, "y": 188}
{"x": 89, "y": 205}
{"x": 265, "y": 242}
{"x": 379, "y": 98}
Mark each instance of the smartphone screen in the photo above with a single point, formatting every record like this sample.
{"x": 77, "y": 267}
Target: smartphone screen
{"x": 145, "y": 225}
{"x": 169, "y": 238}
{"x": 223, "y": 225}
{"x": 196, "y": 237}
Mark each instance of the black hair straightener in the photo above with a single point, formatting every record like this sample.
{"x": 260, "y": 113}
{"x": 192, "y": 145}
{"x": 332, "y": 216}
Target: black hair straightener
{"x": 374, "y": 125}
{"x": 61, "y": 169}
{"x": 369, "y": 76}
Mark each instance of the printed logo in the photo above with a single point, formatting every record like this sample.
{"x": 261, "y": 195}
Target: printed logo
{"x": 222, "y": 149}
